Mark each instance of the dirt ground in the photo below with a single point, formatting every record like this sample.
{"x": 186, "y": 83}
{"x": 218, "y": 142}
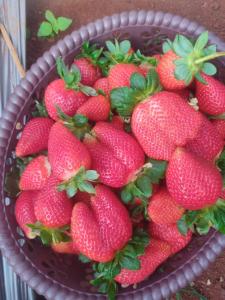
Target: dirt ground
{"x": 209, "y": 13}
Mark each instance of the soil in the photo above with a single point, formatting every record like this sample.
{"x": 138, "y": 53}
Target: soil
{"x": 209, "y": 13}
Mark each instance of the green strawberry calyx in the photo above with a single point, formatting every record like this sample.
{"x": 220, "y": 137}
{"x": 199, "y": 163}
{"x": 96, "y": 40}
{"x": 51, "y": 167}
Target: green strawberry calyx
{"x": 40, "y": 109}
{"x": 72, "y": 78}
{"x": 124, "y": 99}
{"x": 82, "y": 181}
{"x": 194, "y": 57}
{"x": 48, "y": 235}
{"x": 141, "y": 187}
{"x": 126, "y": 258}
{"x": 91, "y": 52}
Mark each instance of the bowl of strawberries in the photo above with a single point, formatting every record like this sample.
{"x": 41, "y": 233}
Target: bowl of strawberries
{"x": 112, "y": 160}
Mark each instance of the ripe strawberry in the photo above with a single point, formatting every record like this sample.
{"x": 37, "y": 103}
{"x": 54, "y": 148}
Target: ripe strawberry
{"x": 193, "y": 182}
{"x": 103, "y": 85}
{"x": 34, "y": 137}
{"x": 35, "y": 174}
{"x": 169, "y": 233}
{"x": 52, "y": 208}
{"x": 68, "y": 100}
{"x": 119, "y": 75}
{"x": 116, "y": 155}
{"x": 24, "y": 211}
{"x": 220, "y": 127}
{"x": 66, "y": 153}
{"x": 155, "y": 254}
{"x": 166, "y": 69}
{"x": 163, "y": 209}
{"x": 103, "y": 227}
{"x": 65, "y": 247}
{"x": 156, "y": 123}
{"x": 207, "y": 143}
{"x": 211, "y": 96}
{"x": 89, "y": 72}
{"x": 117, "y": 122}
{"x": 96, "y": 108}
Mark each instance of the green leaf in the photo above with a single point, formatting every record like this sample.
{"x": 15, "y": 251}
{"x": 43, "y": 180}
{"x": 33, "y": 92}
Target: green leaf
{"x": 88, "y": 90}
{"x": 45, "y": 29}
{"x": 130, "y": 263}
{"x": 80, "y": 120}
{"x": 125, "y": 46}
{"x": 91, "y": 175}
{"x": 63, "y": 23}
{"x": 40, "y": 109}
{"x": 144, "y": 184}
{"x": 219, "y": 217}
{"x": 167, "y": 45}
{"x": 71, "y": 190}
{"x": 181, "y": 72}
{"x": 202, "y": 226}
{"x": 137, "y": 81}
{"x": 185, "y": 43}
{"x": 50, "y": 16}
{"x": 112, "y": 290}
{"x": 211, "y": 49}
{"x": 111, "y": 47}
{"x": 209, "y": 69}
{"x": 200, "y": 78}
{"x": 46, "y": 237}
{"x": 84, "y": 259}
{"x": 126, "y": 195}
{"x": 182, "y": 226}
{"x": 157, "y": 171}
{"x": 201, "y": 41}
{"x": 178, "y": 49}
{"x": 87, "y": 187}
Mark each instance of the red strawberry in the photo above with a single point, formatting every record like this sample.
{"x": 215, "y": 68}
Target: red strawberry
{"x": 163, "y": 209}
{"x": 155, "y": 254}
{"x": 65, "y": 247}
{"x": 220, "y": 127}
{"x": 156, "y": 123}
{"x": 68, "y": 100}
{"x": 89, "y": 72}
{"x": 96, "y": 108}
{"x": 119, "y": 75}
{"x": 102, "y": 84}
{"x": 35, "y": 174}
{"x": 117, "y": 122}
{"x": 193, "y": 182}
{"x": 166, "y": 69}
{"x": 24, "y": 211}
{"x": 52, "y": 208}
{"x": 211, "y": 96}
{"x": 169, "y": 233}
{"x": 207, "y": 143}
{"x": 66, "y": 153}
{"x": 116, "y": 155}
{"x": 184, "y": 94}
{"x": 34, "y": 137}
{"x": 102, "y": 227}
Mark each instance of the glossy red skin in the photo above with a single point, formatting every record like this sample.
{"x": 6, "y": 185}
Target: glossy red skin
{"x": 155, "y": 254}
{"x": 163, "y": 209}
{"x": 35, "y": 174}
{"x": 65, "y": 248}
{"x": 24, "y": 211}
{"x": 34, "y": 136}
{"x": 193, "y": 182}
{"x": 117, "y": 122}
{"x": 207, "y": 143}
{"x": 119, "y": 75}
{"x": 68, "y": 100}
{"x": 156, "y": 123}
{"x": 102, "y": 84}
{"x": 96, "y": 108}
{"x": 89, "y": 72}
{"x": 115, "y": 154}
{"x": 220, "y": 127}
{"x": 211, "y": 96}
{"x": 103, "y": 227}
{"x": 166, "y": 69}
{"x": 52, "y": 208}
{"x": 169, "y": 233}
{"x": 66, "y": 153}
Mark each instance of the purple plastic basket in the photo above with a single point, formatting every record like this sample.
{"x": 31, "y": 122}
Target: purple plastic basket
{"x": 62, "y": 276}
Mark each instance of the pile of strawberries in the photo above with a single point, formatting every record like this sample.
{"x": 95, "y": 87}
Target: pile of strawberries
{"x": 126, "y": 160}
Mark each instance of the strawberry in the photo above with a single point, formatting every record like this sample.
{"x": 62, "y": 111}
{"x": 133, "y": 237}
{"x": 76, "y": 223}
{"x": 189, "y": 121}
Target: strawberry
{"x": 102, "y": 84}
{"x": 163, "y": 209}
{"x": 89, "y": 73}
{"x": 193, "y": 182}
{"x": 52, "y": 208}
{"x": 184, "y": 93}
{"x": 24, "y": 211}
{"x": 117, "y": 122}
{"x": 96, "y": 108}
{"x": 156, "y": 124}
{"x": 119, "y": 75}
{"x": 155, "y": 254}
{"x": 219, "y": 124}
{"x": 116, "y": 155}
{"x": 65, "y": 247}
{"x": 169, "y": 233}
{"x": 34, "y": 136}
{"x": 147, "y": 63}
{"x": 102, "y": 227}
{"x": 207, "y": 143}
{"x": 35, "y": 174}
{"x": 211, "y": 95}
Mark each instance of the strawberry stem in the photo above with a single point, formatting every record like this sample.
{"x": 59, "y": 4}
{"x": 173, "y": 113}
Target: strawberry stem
{"x": 209, "y": 57}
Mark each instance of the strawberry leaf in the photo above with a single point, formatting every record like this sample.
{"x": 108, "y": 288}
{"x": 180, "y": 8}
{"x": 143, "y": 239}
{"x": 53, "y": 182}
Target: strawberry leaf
{"x": 201, "y": 41}
{"x": 91, "y": 175}
{"x": 200, "y": 78}
{"x": 88, "y": 90}
{"x": 63, "y": 23}
{"x": 137, "y": 81}
{"x": 182, "y": 226}
{"x": 211, "y": 49}
{"x": 167, "y": 45}
{"x": 49, "y": 16}
{"x": 84, "y": 259}
{"x": 45, "y": 29}
{"x": 125, "y": 46}
{"x": 209, "y": 69}
{"x": 110, "y": 46}
{"x": 130, "y": 263}
{"x": 40, "y": 109}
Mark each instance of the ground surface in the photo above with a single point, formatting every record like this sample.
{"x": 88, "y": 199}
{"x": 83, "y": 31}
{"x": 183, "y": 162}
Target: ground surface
{"x": 209, "y": 13}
